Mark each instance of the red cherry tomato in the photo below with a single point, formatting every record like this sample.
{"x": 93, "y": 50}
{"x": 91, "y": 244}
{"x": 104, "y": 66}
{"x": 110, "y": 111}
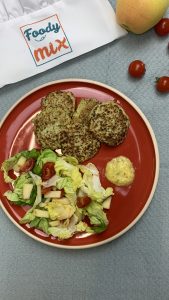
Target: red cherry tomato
{"x": 136, "y": 68}
{"x": 48, "y": 170}
{"x": 87, "y": 221}
{"x": 46, "y": 190}
{"x": 11, "y": 174}
{"x": 162, "y": 27}
{"x": 62, "y": 193}
{"x": 162, "y": 84}
{"x": 83, "y": 201}
{"x": 28, "y": 165}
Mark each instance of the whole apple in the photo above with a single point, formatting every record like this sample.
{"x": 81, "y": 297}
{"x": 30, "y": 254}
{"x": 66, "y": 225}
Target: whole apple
{"x": 138, "y": 16}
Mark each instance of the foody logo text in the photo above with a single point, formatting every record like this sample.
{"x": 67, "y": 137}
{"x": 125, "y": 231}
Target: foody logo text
{"x": 46, "y": 40}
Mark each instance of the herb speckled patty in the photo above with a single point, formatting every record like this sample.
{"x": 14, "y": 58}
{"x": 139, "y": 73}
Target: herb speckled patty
{"x": 76, "y": 140}
{"x": 79, "y": 132}
{"x": 61, "y": 99}
{"x": 82, "y": 113}
{"x": 109, "y": 123}
{"x": 49, "y": 137}
{"x": 49, "y": 115}
{"x": 57, "y": 110}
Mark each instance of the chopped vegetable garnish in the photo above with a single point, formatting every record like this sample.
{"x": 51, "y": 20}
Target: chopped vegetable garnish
{"x": 61, "y": 193}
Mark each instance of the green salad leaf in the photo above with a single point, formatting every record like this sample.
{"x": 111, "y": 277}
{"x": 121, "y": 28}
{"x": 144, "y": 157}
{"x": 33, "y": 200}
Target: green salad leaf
{"x": 65, "y": 169}
{"x": 43, "y": 225}
{"x": 34, "y": 153}
{"x": 28, "y": 217}
{"x": 97, "y": 216}
{"x": 69, "y": 177}
{"x": 60, "y": 209}
{"x": 9, "y": 164}
{"x": 91, "y": 184}
{"x": 46, "y": 155}
{"x": 16, "y": 195}
{"x": 34, "y": 222}
{"x": 60, "y": 233}
{"x": 60, "y": 217}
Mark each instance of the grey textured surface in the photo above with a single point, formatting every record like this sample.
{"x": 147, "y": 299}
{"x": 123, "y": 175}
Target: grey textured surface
{"x": 133, "y": 267}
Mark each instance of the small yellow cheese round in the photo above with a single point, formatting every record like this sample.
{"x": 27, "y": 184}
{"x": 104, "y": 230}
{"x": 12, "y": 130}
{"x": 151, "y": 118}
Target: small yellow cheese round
{"x": 120, "y": 171}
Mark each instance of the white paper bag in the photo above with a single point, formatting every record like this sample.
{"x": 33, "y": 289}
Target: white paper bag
{"x": 38, "y": 35}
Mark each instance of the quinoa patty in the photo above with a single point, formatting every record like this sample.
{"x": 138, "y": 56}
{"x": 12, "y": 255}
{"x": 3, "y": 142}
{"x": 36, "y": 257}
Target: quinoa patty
{"x": 60, "y": 99}
{"x": 109, "y": 123}
{"x": 57, "y": 107}
{"x": 82, "y": 113}
{"x": 77, "y": 141}
{"x": 49, "y": 137}
{"x": 50, "y": 115}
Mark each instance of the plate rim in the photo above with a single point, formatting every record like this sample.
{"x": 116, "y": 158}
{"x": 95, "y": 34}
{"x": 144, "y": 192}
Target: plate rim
{"x": 157, "y": 161}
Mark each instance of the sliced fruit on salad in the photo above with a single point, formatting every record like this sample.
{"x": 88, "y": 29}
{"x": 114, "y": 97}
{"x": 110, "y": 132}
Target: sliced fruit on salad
{"x": 61, "y": 193}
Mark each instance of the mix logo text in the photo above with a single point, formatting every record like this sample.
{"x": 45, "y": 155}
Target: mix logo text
{"x": 46, "y": 40}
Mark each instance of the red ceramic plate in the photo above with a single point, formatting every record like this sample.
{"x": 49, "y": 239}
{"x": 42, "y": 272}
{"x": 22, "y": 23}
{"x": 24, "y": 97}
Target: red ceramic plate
{"x": 129, "y": 203}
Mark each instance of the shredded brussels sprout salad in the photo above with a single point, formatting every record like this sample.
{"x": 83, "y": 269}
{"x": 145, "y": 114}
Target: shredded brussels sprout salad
{"x": 61, "y": 193}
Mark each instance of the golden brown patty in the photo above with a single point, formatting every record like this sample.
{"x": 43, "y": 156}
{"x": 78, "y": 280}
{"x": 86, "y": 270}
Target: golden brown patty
{"x": 50, "y": 115}
{"x": 59, "y": 99}
{"x": 82, "y": 113}
{"x": 49, "y": 137}
{"x": 57, "y": 110}
{"x": 77, "y": 141}
{"x": 109, "y": 123}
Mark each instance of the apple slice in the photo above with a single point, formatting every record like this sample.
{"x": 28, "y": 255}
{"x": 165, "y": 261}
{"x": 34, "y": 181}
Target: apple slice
{"x": 53, "y": 194}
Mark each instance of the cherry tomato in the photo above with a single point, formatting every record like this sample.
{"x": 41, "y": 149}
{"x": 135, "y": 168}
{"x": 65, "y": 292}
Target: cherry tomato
{"x": 28, "y": 165}
{"x": 11, "y": 174}
{"x": 62, "y": 193}
{"x": 48, "y": 170}
{"x": 83, "y": 201}
{"x": 46, "y": 190}
{"x": 162, "y": 84}
{"x": 136, "y": 68}
{"x": 162, "y": 27}
{"x": 87, "y": 221}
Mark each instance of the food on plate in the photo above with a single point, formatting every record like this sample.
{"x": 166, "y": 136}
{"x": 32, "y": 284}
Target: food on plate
{"x": 162, "y": 84}
{"x": 137, "y": 68}
{"x": 60, "y": 99}
{"x": 47, "y": 117}
{"x": 60, "y": 191}
{"x": 82, "y": 113}
{"x": 57, "y": 110}
{"x": 76, "y": 140}
{"x": 109, "y": 123}
{"x": 162, "y": 27}
{"x": 59, "y": 126}
{"x": 79, "y": 132}
{"x": 49, "y": 137}
{"x": 120, "y": 171}
{"x": 139, "y": 16}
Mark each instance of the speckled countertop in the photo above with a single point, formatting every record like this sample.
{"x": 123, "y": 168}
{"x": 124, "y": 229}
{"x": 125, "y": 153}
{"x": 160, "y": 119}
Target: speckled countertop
{"x": 135, "y": 266}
